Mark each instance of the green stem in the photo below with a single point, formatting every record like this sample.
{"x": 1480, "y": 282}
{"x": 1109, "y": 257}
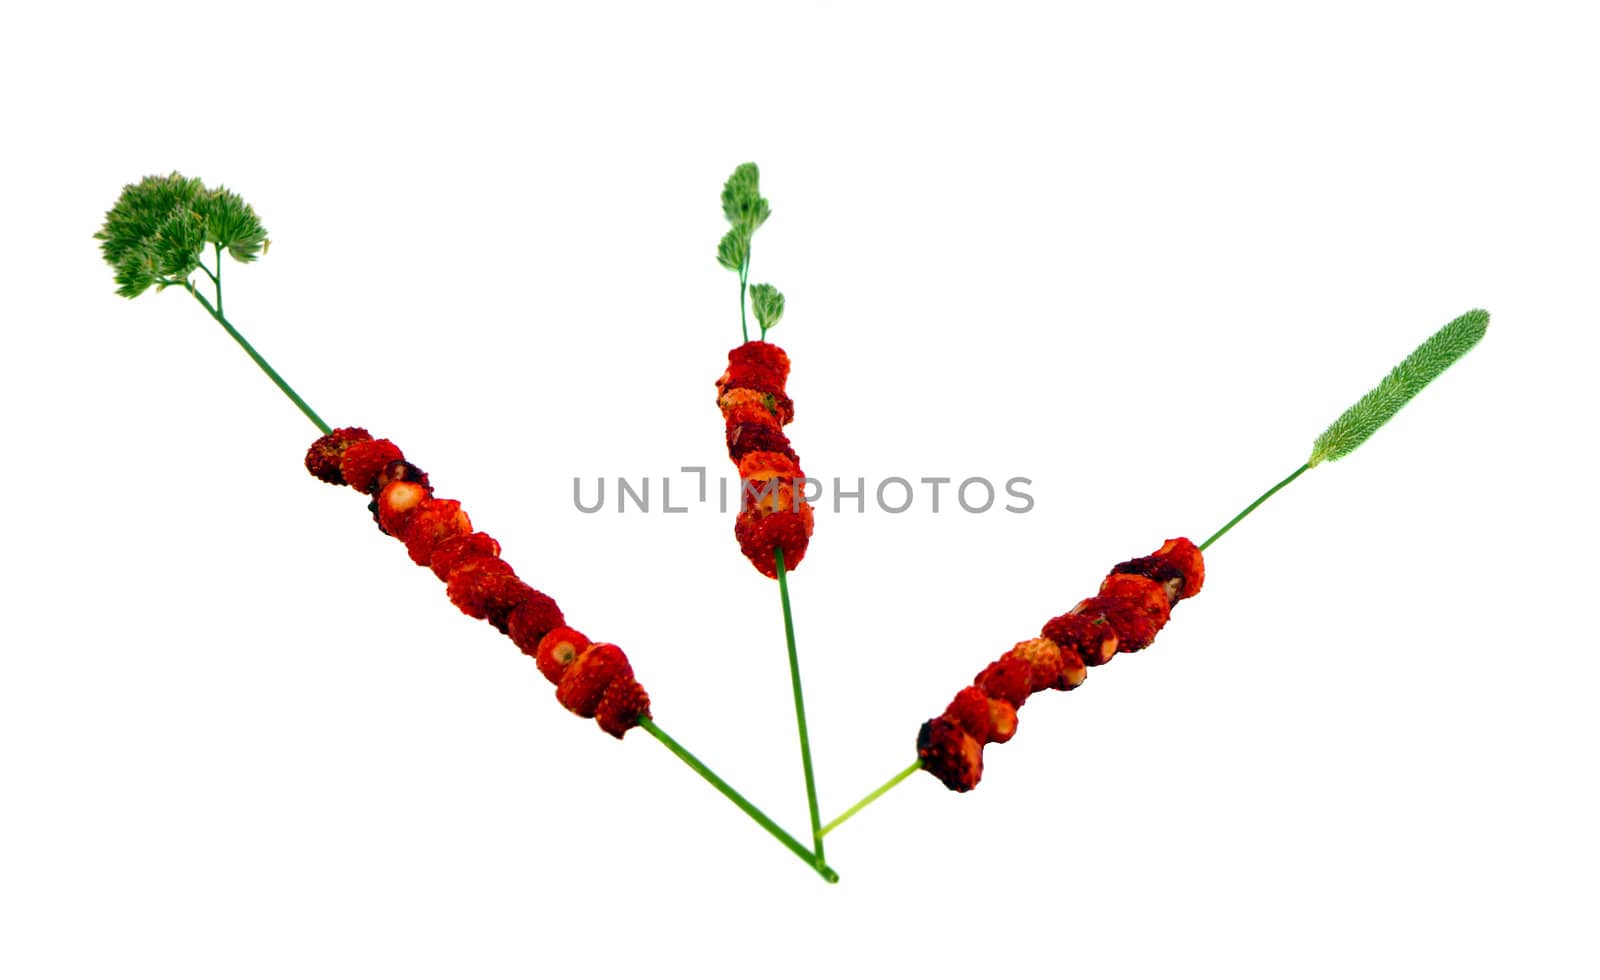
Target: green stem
{"x": 217, "y": 279}
{"x": 744, "y": 277}
{"x": 886, "y": 787}
{"x": 799, "y": 705}
{"x": 1259, "y": 501}
{"x": 750, "y": 809}
{"x": 261, "y": 362}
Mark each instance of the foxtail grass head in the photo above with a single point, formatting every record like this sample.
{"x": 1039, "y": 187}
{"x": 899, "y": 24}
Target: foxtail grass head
{"x": 1410, "y": 376}
{"x": 157, "y": 231}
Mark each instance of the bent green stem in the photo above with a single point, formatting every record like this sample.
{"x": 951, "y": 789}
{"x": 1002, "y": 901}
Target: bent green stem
{"x": 799, "y": 706}
{"x": 898, "y": 778}
{"x": 1258, "y": 502}
{"x": 754, "y": 812}
{"x": 261, "y": 362}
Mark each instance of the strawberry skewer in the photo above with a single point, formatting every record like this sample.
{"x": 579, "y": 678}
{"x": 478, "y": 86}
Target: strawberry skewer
{"x": 1134, "y": 603}
{"x": 593, "y": 680}
{"x": 773, "y": 511}
{"x": 774, "y": 522}
{"x": 1135, "y": 600}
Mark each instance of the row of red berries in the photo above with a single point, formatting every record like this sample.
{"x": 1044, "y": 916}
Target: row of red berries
{"x": 593, "y": 680}
{"x": 1133, "y": 604}
{"x": 773, "y": 511}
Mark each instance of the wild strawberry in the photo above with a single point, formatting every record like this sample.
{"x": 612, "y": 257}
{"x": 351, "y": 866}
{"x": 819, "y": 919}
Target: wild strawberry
{"x": 432, "y": 521}
{"x": 1190, "y": 562}
{"x": 746, "y": 437}
{"x": 557, "y": 650}
{"x": 1093, "y": 641}
{"x": 778, "y": 407}
{"x": 485, "y": 588}
{"x": 760, "y": 533}
{"x": 1135, "y": 607}
{"x": 1002, "y": 720}
{"x": 536, "y": 615}
{"x": 1045, "y": 659}
{"x": 760, "y": 467}
{"x": 756, "y": 365}
{"x": 363, "y": 461}
{"x": 397, "y": 502}
{"x": 449, "y": 552}
{"x": 620, "y": 706}
{"x": 1010, "y": 678}
{"x": 950, "y": 754}
{"x": 400, "y": 469}
{"x": 324, "y": 457}
{"x": 586, "y": 678}
{"x": 970, "y": 710}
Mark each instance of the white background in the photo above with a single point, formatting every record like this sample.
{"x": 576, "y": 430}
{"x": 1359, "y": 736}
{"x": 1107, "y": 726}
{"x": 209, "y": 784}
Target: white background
{"x": 1141, "y": 257}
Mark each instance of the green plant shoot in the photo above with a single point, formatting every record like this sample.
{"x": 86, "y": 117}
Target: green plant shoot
{"x": 746, "y": 210}
{"x": 768, "y": 305}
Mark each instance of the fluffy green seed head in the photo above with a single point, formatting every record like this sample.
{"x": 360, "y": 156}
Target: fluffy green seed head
{"x": 155, "y": 233}
{"x": 1410, "y": 376}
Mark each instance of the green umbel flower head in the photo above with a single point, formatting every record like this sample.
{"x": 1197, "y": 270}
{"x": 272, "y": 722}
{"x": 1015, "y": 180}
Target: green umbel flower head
{"x": 154, "y": 235}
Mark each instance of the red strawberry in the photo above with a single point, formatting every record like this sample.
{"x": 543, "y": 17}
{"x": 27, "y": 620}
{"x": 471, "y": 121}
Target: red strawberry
{"x": 485, "y": 588}
{"x": 621, "y": 706}
{"x": 970, "y": 710}
{"x": 556, "y": 652}
{"x": 402, "y": 470}
{"x": 536, "y": 615}
{"x": 775, "y": 406}
{"x": 586, "y": 678}
{"x": 1009, "y": 678}
{"x": 457, "y": 548}
{"x": 753, "y": 436}
{"x": 760, "y": 533}
{"x": 434, "y": 521}
{"x": 363, "y": 461}
{"x": 760, "y": 467}
{"x": 950, "y": 754}
{"x": 758, "y": 365}
{"x": 397, "y": 502}
{"x": 1183, "y": 553}
{"x": 1002, "y": 720}
{"x": 327, "y": 453}
{"x": 1135, "y": 606}
{"x": 1045, "y": 659}
{"x": 1093, "y": 642}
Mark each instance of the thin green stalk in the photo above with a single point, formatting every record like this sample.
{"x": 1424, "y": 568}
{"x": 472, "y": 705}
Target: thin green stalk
{"x": 899, "y": 777}
{"x": 813, "y": 860}
{"x": 744, "y": 279}
{"x": 1259, "y": 501}
{"x": 799, "y": 705}
{"x": 261, "y": 362}
{"x": 217, "y": 279}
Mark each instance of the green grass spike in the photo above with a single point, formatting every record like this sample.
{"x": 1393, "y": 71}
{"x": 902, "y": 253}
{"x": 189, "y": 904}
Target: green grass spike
{"x": 1410, "y": 376}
